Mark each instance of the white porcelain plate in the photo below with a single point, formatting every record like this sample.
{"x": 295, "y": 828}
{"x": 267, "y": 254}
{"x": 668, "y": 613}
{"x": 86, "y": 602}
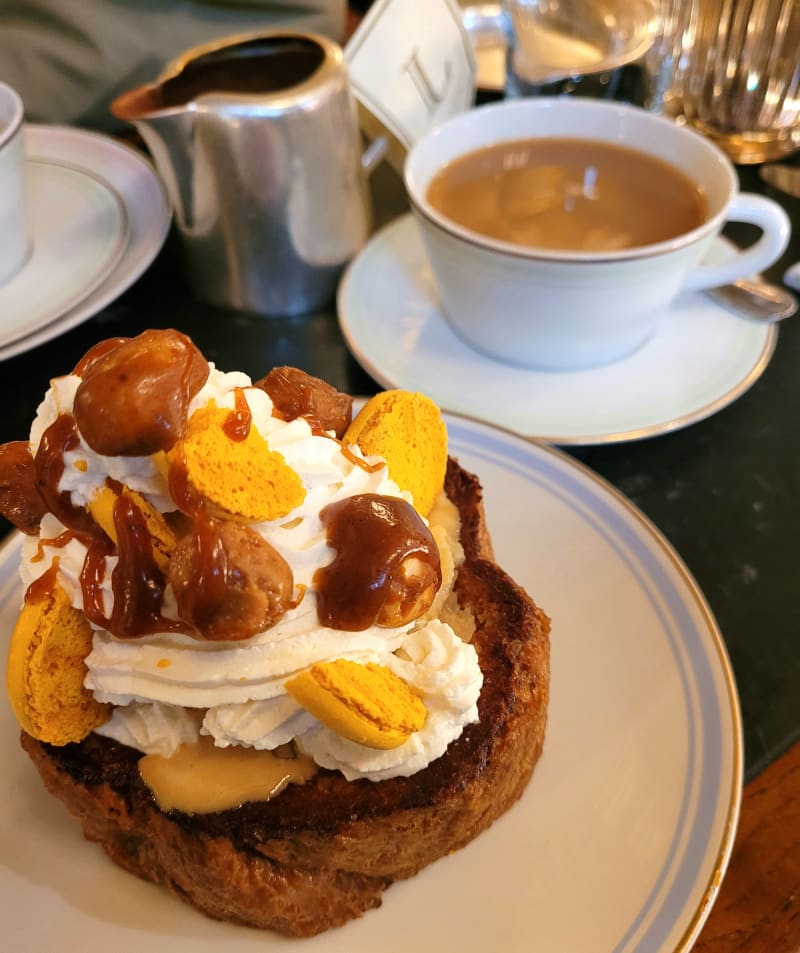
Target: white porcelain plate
{"x": 700, "y": 359}
{"x": 79, "y": 231}
{"x": 618, "y": 844}
{"x": 133, "y": 181}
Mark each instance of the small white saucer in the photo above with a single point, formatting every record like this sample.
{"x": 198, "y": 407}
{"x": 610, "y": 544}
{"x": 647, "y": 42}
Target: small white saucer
{"x": 700, "y": 359}
{"x": 134, "y": 182}
{"x": 79, "y": 229}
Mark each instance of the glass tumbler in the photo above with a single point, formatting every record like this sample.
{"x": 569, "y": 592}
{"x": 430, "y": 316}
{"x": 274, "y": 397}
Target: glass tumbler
{"x": 730, "y": 68}
{"x": 559, "y": 46}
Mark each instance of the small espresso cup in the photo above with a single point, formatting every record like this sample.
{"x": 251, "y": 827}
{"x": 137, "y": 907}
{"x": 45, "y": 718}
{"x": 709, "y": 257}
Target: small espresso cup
{"x": 548, "y": 308}
{"x": 15, "y": 237}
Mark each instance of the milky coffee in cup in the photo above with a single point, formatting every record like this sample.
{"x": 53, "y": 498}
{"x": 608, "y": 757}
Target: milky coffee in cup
{"x": 579, "y": 305}
{"x": 570, "y": 194}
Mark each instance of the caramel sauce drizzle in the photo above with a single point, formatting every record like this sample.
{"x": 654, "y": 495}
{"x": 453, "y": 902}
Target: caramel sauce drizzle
{"x": 301, "y": 588}
{"x": 238, "y": 422}
{"x": 184, "y": 497}
{"x": 347, "y": 452}
{"x": 59, "y": 438}
{"x": 91, "y": 580}
{"x": 40, "y": 587}
{"x": 210, "y": 581}
{"x": 136, "y": 581}
{"x": 213, "y": 573}
{"x": 56, "y": 542}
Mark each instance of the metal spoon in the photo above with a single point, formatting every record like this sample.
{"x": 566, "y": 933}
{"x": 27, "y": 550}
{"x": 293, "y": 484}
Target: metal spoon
{"x": 755, "y": 299}
{"x": 791, "y": 276}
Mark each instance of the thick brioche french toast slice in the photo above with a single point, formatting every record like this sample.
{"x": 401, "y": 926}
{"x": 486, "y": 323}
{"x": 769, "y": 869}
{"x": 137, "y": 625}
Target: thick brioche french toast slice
{"x": 322, "y": 853}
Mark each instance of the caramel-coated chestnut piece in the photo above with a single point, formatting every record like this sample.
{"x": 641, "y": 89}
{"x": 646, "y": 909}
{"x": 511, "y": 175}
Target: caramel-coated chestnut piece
{"x": 386, "y": 569}
{"x": 229, "y": 582}
{"x": 95, "y": 353}
{"x": 297, "y": 394}
{"x": 133, "y": 400}
{"x": 410, "y": 591}
{"x": 20, "y": 500}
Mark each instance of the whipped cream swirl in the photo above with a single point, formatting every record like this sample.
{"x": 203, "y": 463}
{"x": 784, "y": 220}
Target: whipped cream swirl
{"x": 169, "y": 688}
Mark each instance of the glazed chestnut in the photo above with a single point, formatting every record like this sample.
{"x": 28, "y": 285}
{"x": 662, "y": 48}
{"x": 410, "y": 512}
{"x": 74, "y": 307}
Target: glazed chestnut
{"x": 297, "y": 394}
{"x": 134, "y": 397}
{"x": 229, "y": 582}
{"x": 386, "y": 570}
{"x": 20, "y": 500}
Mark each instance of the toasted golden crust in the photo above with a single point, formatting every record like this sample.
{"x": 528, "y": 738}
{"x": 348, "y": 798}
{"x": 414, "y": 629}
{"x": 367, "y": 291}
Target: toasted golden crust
{"x": 322, "y": 853}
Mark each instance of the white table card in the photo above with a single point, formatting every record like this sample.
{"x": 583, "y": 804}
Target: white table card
{"x": 411, "y": 66}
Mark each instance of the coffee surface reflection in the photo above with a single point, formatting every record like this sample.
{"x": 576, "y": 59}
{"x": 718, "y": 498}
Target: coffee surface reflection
{"x": 568, "y": 195}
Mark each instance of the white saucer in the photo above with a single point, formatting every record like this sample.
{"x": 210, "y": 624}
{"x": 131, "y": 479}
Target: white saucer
{"x": 132, "y": 179}
{"x": 79, "y": 229}
{"x": 700, "y": 359}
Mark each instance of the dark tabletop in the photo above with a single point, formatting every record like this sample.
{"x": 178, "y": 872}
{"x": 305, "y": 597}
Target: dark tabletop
{"x": 725, "y": 492}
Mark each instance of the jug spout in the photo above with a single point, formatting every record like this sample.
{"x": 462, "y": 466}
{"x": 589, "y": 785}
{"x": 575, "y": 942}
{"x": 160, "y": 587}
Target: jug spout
{"x": 138, "y": 104}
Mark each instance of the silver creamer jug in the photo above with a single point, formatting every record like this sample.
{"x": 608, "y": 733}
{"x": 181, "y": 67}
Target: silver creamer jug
{"x": 256, "y": 138}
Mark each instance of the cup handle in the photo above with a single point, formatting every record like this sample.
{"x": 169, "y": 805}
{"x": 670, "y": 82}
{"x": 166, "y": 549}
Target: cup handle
{"x": 776, "y": 229}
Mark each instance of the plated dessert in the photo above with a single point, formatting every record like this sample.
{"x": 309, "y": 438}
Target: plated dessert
{"x": 265, "y": 654}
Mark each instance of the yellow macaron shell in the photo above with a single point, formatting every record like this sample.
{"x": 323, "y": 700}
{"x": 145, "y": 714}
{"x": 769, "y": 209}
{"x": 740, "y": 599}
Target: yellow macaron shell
{"x": 367, "y": 704}
{"x": 162, "y": 538}
{"x": 242, "y": 478}
{"x": 407, "y": 430}
{"x": 46, "y": 668}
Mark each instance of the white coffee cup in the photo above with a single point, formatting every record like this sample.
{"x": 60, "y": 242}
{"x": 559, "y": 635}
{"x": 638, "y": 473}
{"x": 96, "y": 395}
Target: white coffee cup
{"x": 15, "y": 239}
{"x": 559, "y": 309}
